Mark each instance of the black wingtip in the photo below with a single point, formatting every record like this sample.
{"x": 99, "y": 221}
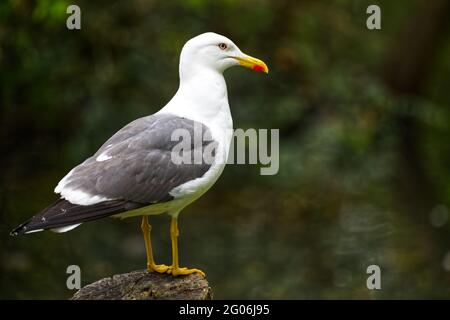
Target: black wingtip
{"x": 21, "y": 229}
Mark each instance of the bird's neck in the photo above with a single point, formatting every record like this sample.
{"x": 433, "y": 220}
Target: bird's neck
{"x": 202, "y": 96}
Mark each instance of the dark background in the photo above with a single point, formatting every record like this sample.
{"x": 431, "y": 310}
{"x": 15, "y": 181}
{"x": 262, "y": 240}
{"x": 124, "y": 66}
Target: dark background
{"x": 364, "y": 143}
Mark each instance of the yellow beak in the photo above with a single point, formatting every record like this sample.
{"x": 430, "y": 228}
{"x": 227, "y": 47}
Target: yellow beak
{"x": 252, "y": 63}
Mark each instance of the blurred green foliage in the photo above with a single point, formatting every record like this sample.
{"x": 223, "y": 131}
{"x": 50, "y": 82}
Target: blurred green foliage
{"x": 364, "y": 122}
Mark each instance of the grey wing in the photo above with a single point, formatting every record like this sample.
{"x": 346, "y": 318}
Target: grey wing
{"x": 136, "y": 162}
{"x": 131, "y": 170}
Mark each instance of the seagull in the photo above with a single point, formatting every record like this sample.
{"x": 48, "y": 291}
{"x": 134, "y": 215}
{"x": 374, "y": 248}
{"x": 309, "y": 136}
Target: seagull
{"x": 135, "y": 172}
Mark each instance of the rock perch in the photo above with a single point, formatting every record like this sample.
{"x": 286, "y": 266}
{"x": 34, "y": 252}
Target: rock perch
{"x": 142, "y": 285}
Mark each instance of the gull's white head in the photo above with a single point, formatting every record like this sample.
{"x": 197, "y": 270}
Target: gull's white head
{"x": 215, "y": 52}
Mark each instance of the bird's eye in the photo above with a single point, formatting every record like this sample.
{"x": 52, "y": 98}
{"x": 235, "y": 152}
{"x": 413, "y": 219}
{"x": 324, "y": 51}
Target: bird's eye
{"x": 222, "y": 46}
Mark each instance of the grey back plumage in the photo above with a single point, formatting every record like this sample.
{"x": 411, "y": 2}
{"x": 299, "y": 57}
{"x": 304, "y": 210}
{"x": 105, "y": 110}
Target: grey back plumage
{"x": 140, "y": 168}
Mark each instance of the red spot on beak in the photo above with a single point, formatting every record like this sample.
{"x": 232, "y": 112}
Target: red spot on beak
{"x": 257, "y": 68}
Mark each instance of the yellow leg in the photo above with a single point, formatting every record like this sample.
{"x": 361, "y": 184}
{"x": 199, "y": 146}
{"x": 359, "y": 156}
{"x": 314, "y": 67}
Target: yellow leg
{"x": 175, "y": 269}
{"x": 151, "y": 265}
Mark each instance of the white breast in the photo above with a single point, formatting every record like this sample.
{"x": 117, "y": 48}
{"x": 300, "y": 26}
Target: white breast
{"x": 204, "y": 99}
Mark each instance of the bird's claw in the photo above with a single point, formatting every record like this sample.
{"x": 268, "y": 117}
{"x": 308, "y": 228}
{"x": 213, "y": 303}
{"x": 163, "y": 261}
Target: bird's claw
{"x": 160, "y": 268}
{"x": 183, "y": 271}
